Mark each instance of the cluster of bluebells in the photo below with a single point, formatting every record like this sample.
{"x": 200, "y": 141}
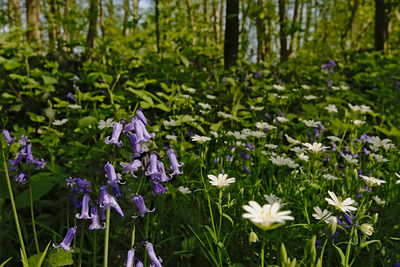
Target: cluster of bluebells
{"x": 141, "y": 159}
{"x": 23, "y": 158}
{"x": 131, "y": 260}
{"x": 329, "y": 67}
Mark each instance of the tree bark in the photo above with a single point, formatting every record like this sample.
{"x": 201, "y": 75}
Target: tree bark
{"x": 157, "y": 26}
{"x": 32, "y": 20}
{"x": 260, "y": 27}
{"x": 66, "y": 17}
{"x": 282, "y": 30}
{"x": 125, "y": 30}
{"x": 14, "y": 12}
{"x": 93, "y": 13}
{"x": 231, "y": 43}
{"x": 216, "y": 22}
{"x": 293, "y": 27}
{"x": 380, "y": 25}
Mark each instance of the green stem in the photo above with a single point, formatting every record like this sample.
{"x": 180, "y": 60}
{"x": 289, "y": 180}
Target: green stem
{"x": 133, "y": 236}
{"x": 262, "y": 250}
{"x": 106, "y": 237}
{"x": 349, "y": 247}
{"x": 14, "y": 209}
{"x": 95, "y": 249}
{"x": 33, "y": 218}
{"x": 81, "y": 247}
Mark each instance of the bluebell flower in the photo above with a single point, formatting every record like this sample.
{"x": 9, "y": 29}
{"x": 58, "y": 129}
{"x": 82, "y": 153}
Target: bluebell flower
{"x": 138, "y": 200}
{"x": 141, "y": 116}
{"x": 111, "y": 174}
{"x": 174, "y": 162}
{"x": 130, "y": 257}
{"x": 108, "y": 202}
{"x": 155, "y": 261}
{"x": 83, "y": 185}
{"x": 137, "y": 150}
{"x": 141, "y": 132}
{"x": 245, "y": 155}
{"x": 40, "y": 164}
{"x": 95, "y": 224}
{"x": 139, "y": 263}
{"x": 131, "y": 167}
{"x": 159, "y": 189}
{"x": 152, "y": 168}
{"x": 17, "y": 160}
{"x": 9, "y": 139}
{"x": 29, "y": 156}
{"x": 117, "y": 129}
{"x": 161, "y": 176}
{"x": 66, "y": 243}
{"x": 85, "y": 208}
{"x": 71, "y": 97}
{"x": 21, "y": 178}
{"x": 249, "y": 146}
{"x": 246, "y": 169}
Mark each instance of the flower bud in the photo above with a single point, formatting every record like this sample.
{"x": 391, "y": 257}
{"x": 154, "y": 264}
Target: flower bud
{"x": 253, "y": 237}
{"x": 331, "y": 226}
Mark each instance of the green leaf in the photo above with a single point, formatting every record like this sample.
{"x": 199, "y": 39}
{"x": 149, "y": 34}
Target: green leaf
{"x": 49, "y": 80}
{"x": 4, "y": 262}
{"x": 43, "y": 256}
{"x": 59, "y": 257}
{"x": 36, "y": 118}
{"x": 41, "y": 184}
{"x": 341, "y": 254}
{"x": 86, "y": 121}
{"x": 367, "y": 243}
{"x": 228, "y": 217}
{"x": 11, "y": 64}
{"x": 214, "y": 237}
{"x": 185, "y": 61}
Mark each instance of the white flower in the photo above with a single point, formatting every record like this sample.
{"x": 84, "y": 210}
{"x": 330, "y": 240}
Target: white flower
{"x": 376, "y": 143}
{"x": 298, "y": 150}
{"x": 350, "y": 159}
{"x": 74, "y": 106}
{"x": 169, "y": 123}
{"x": 379, "y": 158}
{"x": 371, "y": 181}
{"x": 278, "y": 160}
{"x": 334, "y": 138}
{"x": 253, "y": 237}
{"x": 331, "y": 108}
{"x": 311, "y": 123}
{"x": 365, "y": 109}
{"x": 214, "y": 133}
{"x": 367, "y": 229}
{"x": 191, "y": 90}
{"x": 344, "y": 205}
{"x": 184, "y": 96}
{"x": 224, "y": 115}
{"x": 303, "y": 156}
{"x": 60, "y": 122}
{"x": 204, "y": 105}
{"x": 204, "y": 111}
{"x": 310, "y": 97}
{"x": 271, "y": 199}
{"x": 171, "y": 137}
{"x": 320, "y": 215}
{"x": 266, "y": 217}
{"x": 279, "y": 87}
{"x": 315, "y": 147}
{"x": 220, "y": 181}
{"x": 329, "y": 176}
{"x": 211, "y": 96}
{"x": 257, "y": 134}
{"x": 305, "y": 87}
{"x": 379, "y": 201}
{"x": 358, "y": 122}
{"x": 264, "y": 125}
{"x": 271, "y": 146}
{"x": 398, "y": 176}
{"x": 109, "y": 123}
{"x": 256, "y": 108}
{"x": 200, "y": 139}
{"x": 292, "y": 140}
{"x": 184, "y": 190}
{"x": 281, "y": 119}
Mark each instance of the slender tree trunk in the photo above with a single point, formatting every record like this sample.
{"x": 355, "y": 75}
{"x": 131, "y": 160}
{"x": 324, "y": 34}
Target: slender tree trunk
{"x": 93, "y": 13}
{"x": 190, "y": 17}
{"x": 125, "y": 30}
{"x": 14, "y": 12}
{"x": 300, "y": 24}
{"x": 221, "y": 18}
{"x": 32, "y": 20}
{"x": 53, "y": 28}
{"x": 231, "y": 42}
{"x": 244, "y": 40}
{"x": 66, "y": 18}
{"x": 216, "y": 22}
{"x": 157, "y": 26}
{"x": 353, "y": 7}
{"x": 282, "y": 30}
{"x": 136, "y": 10}
{"x": 102, "y": 20}
{"x": 206, "y": 20}
{"x": 293, "y": 35}
{"x": 260, "y": 26}
{"x": 308, "y": 21}
{"x": 380, "y": 25}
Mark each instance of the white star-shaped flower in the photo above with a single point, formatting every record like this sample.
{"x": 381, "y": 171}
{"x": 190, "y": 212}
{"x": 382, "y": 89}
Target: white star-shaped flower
{"x": 221, "y": 181}
{"x": 320, "y": 215}
{"x": 200, "y": 139}
{"x": 60, "y": 122}
{"x": 344, "y": 205}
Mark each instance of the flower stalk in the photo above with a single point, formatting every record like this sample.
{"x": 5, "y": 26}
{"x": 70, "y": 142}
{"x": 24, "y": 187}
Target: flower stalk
{"x": 106, "y": 238}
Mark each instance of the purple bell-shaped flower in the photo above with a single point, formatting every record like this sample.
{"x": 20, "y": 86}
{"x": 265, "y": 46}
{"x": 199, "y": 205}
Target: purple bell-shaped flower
{"x": 174, "y": 162}
{"x": 66, "y": 243}
{"x": 108, "y": 202}
{"x": 138, "y": 200}
{"x": 85, "y": 208}
{"x": 130, "y": 257}
{"x": 131, "y": 167}
{"x": 152, "y": 169}
{"x": 137, "y": 150}
{"x": 9, "y": 139}
{"x": 155, "y": 261}
{"x": 117, "y": 129}
{"x": 95, "y": 224}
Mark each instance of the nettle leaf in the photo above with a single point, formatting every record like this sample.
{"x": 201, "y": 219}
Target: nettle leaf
{"x": 49, "y": 80}
{"x": 41, "y": 184}
{"x": 11, "y": 64}
{"x": 59, "y": 257}
{"x": 86, "y": 121}
{"x": 36, "y": 118}
{"x": 184, "y": 60}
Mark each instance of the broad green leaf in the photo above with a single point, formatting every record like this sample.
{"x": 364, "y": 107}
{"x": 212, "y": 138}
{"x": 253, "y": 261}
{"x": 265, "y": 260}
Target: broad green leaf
{"x": 185, "y": 61}
{"x": 49, "y": 80}
{"x": 86, "y": 121}
{"x": 11, "y": 64}
{"x": 36, "y": 118}
{"x": 41, "y": 184}
{"x": 59, "y": 257}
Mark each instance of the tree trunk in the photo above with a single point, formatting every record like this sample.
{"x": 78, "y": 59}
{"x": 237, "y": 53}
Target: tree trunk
{"x": 14, "y": 12}
{"x": 293, "y": 28}
{"x": 125, "y": 30}
{"x": 53, "y": 28}
{"x": 353, "y": 7}
{"x": 66, "y": 17}
{"x": 282, "y": 30}
{"x": 260, "y": 26}
{"x": 190, "y": 16}
{"x": 32, "y": 20}
{"x": 102, "y": 20}
{"x": 231, "y": 43}
{"x": 157, "y": 26}
{"x": 206, "y": 20}
{"x": 380, "y": 25}
{"x": 216, "y": 22}
{"x": 308, "y": 21}
{"x": 301, "y": 24}
{"x": 93, "y": 13}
